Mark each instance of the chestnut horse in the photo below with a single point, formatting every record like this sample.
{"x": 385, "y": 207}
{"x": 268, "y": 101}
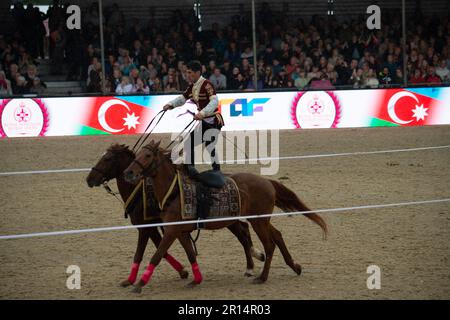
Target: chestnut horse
{"x": 258, "y": 196}
{"x": 111, "y": 166}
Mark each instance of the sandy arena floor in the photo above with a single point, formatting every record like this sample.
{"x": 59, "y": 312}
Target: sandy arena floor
{"x": 410, "y": 244}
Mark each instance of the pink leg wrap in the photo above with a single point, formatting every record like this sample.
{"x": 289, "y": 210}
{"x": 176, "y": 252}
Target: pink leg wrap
{"x": 134, "y": 271}
{"x": 173, "y": 262}
{"x": 148, "y": 273}
{"x": 196, "y": 271}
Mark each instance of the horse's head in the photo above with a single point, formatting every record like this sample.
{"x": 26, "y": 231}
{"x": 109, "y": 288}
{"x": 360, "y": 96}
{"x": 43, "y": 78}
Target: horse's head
{"x": 111, "y": 165}
{"x": 146, "y": 162}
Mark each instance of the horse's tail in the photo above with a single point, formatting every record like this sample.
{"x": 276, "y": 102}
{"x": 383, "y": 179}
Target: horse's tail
{"x": 288, "y": 201}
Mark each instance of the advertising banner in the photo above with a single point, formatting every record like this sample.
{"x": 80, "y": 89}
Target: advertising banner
{"x": 32, "y": 117}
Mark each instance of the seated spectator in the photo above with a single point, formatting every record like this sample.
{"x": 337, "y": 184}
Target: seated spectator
{"x": 134, "y": 75}
{"x": 210, "y": 69}
{"x": 5, "y": 85}
{"x": 21, "y": 85}
{"x": 115, "y": 79}
{"x": 156, "y": 85}
{"x": 301, "y": 81}
{"x": 172, "y": 85}
{"x": 323, "y": 83}
{"x": 357, "y": 79}
{"x": 12, "y": 75}
{"x": 247, "y": 54}
{"x": 371, "y": 80}
{"x": 91, "y": 67}
{"x": 232, "y": 54}
{"x": 25, "y": 60}
{"x": 218, "y": 80}
{"x": 109, "y": 65}
{"x": 152, "y": 72}
{"x": 141, "y": 87}
{"x": 417, "y": 78}
{"x": 35, "y": 85}
{"x": 144, "y": 74}
{"x": 385, "y": 77}
{"x": 95, "y": 85}
{"x": 398, "y": 78}
{"x": 443, "y": 72}
{"x": 251, "y": 84}
{"x": 125, "y": 87}
{"x": 238, "y": 82}
{"x": 170, "y": 73}
{"x": 432, "y": 78}
{"x": 268, "y": 77}
{"x": 127, "y": 66}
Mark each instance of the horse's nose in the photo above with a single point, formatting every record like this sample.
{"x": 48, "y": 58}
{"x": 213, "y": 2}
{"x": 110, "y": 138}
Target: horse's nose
{"x": 89, "y": 182}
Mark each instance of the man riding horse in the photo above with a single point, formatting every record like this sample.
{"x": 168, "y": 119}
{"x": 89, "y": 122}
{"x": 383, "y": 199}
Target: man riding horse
{"x": 203, "y": 94}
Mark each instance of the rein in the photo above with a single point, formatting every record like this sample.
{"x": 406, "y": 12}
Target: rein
{"x": 105, "y": 184}
{"x": 145, "y": 136}
{"x": 109, "y": 191}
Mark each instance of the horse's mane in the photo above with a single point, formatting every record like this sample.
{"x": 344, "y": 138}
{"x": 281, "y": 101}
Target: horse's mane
{"x": 167, "y": 154}
{"x": 121, "y": 148}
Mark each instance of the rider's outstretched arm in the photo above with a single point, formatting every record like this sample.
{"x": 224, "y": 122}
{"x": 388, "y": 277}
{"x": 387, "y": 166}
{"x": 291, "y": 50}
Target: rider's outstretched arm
{"x": 177, "y": 102}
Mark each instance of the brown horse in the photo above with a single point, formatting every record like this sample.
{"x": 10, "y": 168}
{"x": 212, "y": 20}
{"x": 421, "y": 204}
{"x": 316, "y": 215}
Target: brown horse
{"x": 258, "y": 196}
{"x": 111, "y": 166}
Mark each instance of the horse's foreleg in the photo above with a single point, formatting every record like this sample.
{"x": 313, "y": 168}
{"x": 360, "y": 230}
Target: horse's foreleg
{"x": 156, "y": 238}
{"x": 188, "y": 248}
{"x": 167, "y": 240}
{"x": 141, "y": 245}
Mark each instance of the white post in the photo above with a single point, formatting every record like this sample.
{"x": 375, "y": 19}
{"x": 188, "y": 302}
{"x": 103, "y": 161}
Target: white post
{"x": 255, "y": 56}
{"x": 102, "y": 45}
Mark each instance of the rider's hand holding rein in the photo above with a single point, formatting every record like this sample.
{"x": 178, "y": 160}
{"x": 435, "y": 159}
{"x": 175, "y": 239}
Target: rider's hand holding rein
{"x": 199, "y": 116}
{"x": 167, "y": 107}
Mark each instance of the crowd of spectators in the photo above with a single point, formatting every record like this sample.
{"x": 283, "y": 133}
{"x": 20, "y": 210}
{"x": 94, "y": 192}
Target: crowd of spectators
{"x": 146, "y": 56}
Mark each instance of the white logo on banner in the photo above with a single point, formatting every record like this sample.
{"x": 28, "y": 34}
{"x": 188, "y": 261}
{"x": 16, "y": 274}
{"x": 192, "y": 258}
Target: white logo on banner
{"x": 317, "y": 109}
{"x": 23, "y": 118}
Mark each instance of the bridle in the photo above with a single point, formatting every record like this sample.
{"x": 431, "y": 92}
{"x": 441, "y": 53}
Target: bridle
{"x": 150, "y": 170}
{"x": 105, "y": 183}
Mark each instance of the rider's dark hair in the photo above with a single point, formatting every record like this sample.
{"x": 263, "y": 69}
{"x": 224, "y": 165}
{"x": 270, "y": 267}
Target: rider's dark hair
{"x": 195, "y": 66}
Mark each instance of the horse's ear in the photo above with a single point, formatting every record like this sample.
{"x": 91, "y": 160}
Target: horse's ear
{"x": 157, "y": 144}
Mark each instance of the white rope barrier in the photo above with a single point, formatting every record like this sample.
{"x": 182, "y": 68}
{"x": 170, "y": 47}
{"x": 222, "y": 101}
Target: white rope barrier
{"x": 280, "y": 214}
{"x": 242, "y": 161}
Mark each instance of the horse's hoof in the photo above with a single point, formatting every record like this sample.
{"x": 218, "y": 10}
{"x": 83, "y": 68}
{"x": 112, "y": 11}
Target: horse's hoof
{"x": 137, "y": 289}
{"x": 258, "y": 280}
{"x": 297, "y": 269}
{"x": 183, "y": 274}
{"x": 192, "y": 284}
{"x": 125, "y": 283}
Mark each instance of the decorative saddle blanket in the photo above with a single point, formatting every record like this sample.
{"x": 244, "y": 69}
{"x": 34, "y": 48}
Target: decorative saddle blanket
{"x": 197, "y": 199}
{"x": 143, "y": 199}
{"x": 200, "y": 201}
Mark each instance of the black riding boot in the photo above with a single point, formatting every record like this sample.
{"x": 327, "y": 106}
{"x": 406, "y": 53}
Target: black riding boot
{"x": 192, "y": 171}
